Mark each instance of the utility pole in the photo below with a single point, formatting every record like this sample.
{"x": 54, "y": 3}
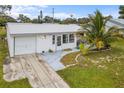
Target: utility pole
{"x": 53, "y": 15}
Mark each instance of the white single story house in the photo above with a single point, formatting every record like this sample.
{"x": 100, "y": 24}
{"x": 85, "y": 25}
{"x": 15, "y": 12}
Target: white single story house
{"x": 26, "y": 38}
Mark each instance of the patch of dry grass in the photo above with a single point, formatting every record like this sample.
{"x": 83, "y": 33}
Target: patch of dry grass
{"x": 69, "y": 58}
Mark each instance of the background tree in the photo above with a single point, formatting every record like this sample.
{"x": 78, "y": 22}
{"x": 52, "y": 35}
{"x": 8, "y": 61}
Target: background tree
{"x": 35, "y": 20}
{"x": 4, "y": 18}
{"x": 121, "y": 12}
{"x": 4, "y": 8}
{"x": 48, "y": 19}
{"x": 23, "y": 19}
{"x": 39, "y": 19}
{"x": 3, "y": 21}
{"x": 69, "y": 21}
{"x": 83, "y": 20}
{"x": 57, "y": 20}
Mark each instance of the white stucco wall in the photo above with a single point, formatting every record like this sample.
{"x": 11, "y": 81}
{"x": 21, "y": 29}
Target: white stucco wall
{"x": 37, "y": 43}
{"x": 44, "y": 43}
{"x": 10, "y": 41}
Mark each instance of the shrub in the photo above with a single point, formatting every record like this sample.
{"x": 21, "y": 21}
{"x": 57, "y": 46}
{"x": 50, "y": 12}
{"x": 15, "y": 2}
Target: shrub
{"x": 50, "y": 50}
{"x": 83, "y": 49}
{"x": 100, "y": 44}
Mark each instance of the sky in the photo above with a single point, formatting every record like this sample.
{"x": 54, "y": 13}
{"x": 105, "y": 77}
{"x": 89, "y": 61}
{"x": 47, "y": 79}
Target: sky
{"x": 64, "y": 11}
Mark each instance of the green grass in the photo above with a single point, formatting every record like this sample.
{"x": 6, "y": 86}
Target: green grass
{"x": 3, "y": 84}
{"x": 100, "y": 70}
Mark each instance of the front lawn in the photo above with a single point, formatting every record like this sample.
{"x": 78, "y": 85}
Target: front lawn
{"x": 100, "y": 69}
{"x": 3, "y": 84}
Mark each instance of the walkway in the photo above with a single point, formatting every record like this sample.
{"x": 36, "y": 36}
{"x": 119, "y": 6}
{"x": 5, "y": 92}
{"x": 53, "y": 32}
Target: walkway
{"x": 53, "y": 59}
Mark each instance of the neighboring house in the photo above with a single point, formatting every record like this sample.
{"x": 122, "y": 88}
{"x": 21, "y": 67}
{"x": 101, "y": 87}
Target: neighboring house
{"x": 115, "y": 22}
{"x": 26, "y": 38}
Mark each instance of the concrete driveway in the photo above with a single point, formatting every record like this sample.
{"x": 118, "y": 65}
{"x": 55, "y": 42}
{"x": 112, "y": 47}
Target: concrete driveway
{"x": 33, "y": 67}
{"x": 53, "y": 59}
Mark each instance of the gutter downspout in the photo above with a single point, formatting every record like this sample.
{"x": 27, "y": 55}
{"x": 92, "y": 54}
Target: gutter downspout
{"x": 35, "y": 43}
{"x": 55, "y": 43}
{"x": 14, "y": 47}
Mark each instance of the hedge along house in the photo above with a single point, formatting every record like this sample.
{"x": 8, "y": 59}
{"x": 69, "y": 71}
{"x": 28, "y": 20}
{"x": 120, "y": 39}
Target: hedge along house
{"x": 26, "y": 38}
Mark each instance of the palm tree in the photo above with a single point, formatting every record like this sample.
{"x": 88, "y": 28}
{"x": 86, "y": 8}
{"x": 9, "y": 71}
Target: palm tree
{"x": 96, "y": 33}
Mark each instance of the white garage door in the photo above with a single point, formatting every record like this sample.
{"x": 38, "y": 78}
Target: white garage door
{"x": 24, "y": 45}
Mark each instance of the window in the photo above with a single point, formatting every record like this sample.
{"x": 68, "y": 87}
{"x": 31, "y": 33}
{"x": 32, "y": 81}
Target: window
{"x": 58, "y": 40}
{"x": 71, "y": 38}
{"x": 65, "y": 38}
{"x": 53, "y": 39}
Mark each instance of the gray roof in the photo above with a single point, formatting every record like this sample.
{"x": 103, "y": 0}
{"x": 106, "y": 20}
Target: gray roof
{"x": 29, "y": 28}
{"x": 115, "y": 22}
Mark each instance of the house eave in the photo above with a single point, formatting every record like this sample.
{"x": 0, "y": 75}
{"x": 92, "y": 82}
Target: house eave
{"x": 14, "y": 34}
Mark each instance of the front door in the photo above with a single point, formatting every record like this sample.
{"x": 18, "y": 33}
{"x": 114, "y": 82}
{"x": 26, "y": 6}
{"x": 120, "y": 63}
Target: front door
{"x": 59, "y": 43}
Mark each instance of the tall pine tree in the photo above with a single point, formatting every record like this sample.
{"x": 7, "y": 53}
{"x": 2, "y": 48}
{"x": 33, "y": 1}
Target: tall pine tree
{"x": 121, "y": 12}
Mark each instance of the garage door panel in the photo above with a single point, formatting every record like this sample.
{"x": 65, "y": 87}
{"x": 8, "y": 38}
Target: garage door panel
{"x": 24, "y": 45}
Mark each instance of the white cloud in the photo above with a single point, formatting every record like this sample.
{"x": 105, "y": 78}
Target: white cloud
{"x": 61, "y": 15}
{"x": 30, "y": 11}
{"x": 33, "y": 12}
{"x": 113, "y": 14}
{"x": 15, "y": 15}
{"x": 27, "y": 8}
